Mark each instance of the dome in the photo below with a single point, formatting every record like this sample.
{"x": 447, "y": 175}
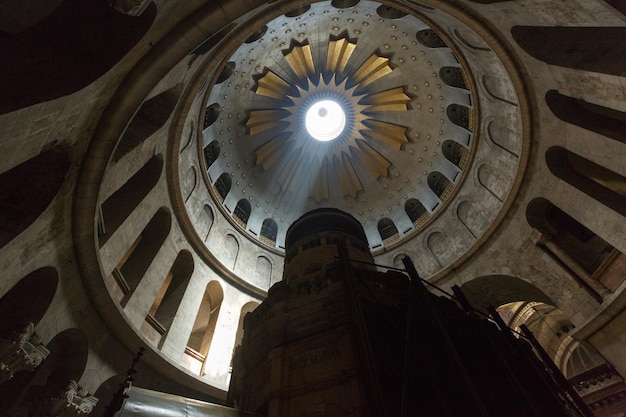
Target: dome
{"x": 410, "y": 109}
{"x": 426, "y": 154}
{"x": 147, "y": 193}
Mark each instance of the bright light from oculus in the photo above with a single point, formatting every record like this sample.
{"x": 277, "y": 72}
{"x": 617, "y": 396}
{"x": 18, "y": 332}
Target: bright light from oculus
{"x": 325, "y": 120}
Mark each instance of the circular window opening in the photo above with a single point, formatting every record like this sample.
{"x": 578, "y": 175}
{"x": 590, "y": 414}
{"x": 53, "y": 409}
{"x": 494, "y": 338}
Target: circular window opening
{"x": 325, "y": 120}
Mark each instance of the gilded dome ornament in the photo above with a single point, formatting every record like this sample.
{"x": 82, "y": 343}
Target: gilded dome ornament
{"x": 359, "y": 104}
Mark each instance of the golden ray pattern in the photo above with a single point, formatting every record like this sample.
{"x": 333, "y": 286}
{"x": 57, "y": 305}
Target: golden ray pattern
{"x": 371, "y": 70}
{"x": 298, "y": 159}
{"x": 339, "y": 52}
{"x": 271, "y": 85}
{"x": 300, "y": 60}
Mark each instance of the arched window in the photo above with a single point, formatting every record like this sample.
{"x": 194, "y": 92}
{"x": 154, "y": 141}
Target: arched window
{"x": 211, "y": 153}
{"x": 165, "y": 305}
{"x": 134, "y": 264}
{"x": 388, "y": 12}
{"x": 387, "y": 228}
{"x": 299, "y": 11}
{"x": 600, "y": 183}
{"x": 453, "y": 76}
{"x": 242, "y": 211}
{"x": 269, "y": 230}
{"x": 439, "y": 184}
{"x": 454, "y": 152}
{"x": 228, "y": 70}
{"x": 211, "y": 114}
{"x": 27, "y": 190}
{"x": 206, "y": 319}
{"x": 344, "y": 4}
{"x": 460, "y": 116}
{"x": 430, "y": 39}
{"x": 601, "y": 120}
{"x": 575, "y": 47}
{"x": 256, "y": 35}
{"x": 415, "y": 209}
{"x": 118, "y": 206}
{"x": 150, "y": 117}
{"x": 223, "y": 184}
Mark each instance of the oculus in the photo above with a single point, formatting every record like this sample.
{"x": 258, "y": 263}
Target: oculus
{"x": 335, "y": 101}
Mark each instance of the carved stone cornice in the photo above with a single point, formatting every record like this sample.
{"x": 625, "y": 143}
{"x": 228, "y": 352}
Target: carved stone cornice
{"x": 20, "y": 350}
{"x": 75, "y": 401}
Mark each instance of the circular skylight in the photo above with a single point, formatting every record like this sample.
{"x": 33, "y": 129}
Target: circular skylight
{"x": 325, "y": 120}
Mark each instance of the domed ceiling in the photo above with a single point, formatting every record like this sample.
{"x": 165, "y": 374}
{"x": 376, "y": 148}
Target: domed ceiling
{"x": 398, "y": 113}
{"x": 389, "y": 97}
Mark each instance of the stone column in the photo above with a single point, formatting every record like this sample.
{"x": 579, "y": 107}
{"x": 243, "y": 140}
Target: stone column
{"x": 595, "y": 288}
{"x": 20, "y": 350}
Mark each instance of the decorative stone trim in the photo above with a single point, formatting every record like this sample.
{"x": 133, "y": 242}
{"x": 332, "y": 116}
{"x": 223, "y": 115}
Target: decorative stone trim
{"x": 20, "y": 350}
